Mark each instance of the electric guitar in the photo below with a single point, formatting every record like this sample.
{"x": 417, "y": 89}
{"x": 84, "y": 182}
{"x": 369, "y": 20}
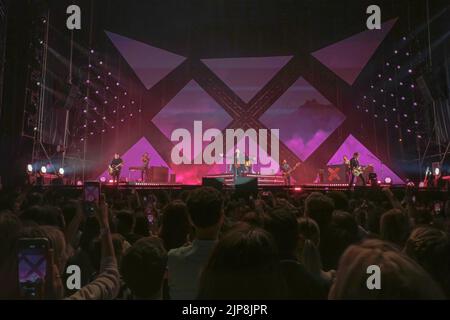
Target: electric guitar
{"x": 360, "y": 170}
{"x": 114, "y": 169}
{"x": 288, "y": 172}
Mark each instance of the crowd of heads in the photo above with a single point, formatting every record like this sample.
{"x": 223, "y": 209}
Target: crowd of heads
{"x": 210, "y": 244}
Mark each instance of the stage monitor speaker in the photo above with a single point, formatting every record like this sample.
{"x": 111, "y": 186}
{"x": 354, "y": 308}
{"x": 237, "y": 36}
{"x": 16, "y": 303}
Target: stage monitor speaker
{"x": 159, "y": 174}
{"x": 216, "y": 183}
{"x": 246, "y": 186}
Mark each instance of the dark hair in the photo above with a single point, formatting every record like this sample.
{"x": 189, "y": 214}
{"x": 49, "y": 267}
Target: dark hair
{"x": 174, "y": 225}
{"x": 430, "y": 247}
{"x": 44, "y": 215}
{"x": 205, "y": 207}
{"x": 340, "y": 200}
{"x": 124, "y": 222}
{"x": 141, "y": 226}
{"x": 282, "y": 225}
{"x": 143, "y": 267}
{"x": 243, "y": 265}
{"x": 394, "y": 227}
{"x": 319, "y": 208}
{"x": 343, "y": 233}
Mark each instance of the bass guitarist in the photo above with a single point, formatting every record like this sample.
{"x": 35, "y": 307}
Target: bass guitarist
{"x": 286, "y": 170}
{"x": 115, "y": 167}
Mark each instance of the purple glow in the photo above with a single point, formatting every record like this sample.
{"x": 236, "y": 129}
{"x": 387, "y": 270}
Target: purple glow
{"x": 151, "y": 64}
{"x": 338, "y": 57}
{"x": 351, "y": 145}
{"x": 132, "y": 158}
{"x": 305, "y": 118}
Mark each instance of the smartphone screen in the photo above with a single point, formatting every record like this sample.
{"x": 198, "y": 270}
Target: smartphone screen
{"x": 32, "y": 266}
{"x": 92, "y": 191}
{"x": 91, "y": 197}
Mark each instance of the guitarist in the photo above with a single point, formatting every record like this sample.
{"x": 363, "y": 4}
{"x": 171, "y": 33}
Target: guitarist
{"x": 286, "y": 170}
{"x": 354, "y": 165}
{"x": 115, "y": 167}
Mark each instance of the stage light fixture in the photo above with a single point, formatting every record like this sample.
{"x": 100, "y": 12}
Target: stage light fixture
{"x": 29, "y": 168}
{"x": 103, "y": 179}
{"x": 61, "y": 171}
{"x": 43, "y": 169}
{"x": 437, "y": 171}
{"x": 297, "y": 189}
{"x": 79, "y": 183}
{"x": 388, "y": 180}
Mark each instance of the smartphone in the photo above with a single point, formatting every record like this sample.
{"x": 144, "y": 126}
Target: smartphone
{"x": 91, "y": 197}
{"x": 32, "y": 267}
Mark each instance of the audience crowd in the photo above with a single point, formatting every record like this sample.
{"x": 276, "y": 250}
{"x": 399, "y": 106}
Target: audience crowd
{"x": 210, "y": 244}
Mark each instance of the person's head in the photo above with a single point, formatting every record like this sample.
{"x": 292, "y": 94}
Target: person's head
{"x": 422, "y": 216}
{"x": 125, "y": 222}
{"x": 205, "y": 210}
{"x": 356, "y": 155}
{"x": 238, "y": 151}
{"x": 401, "y": 277}
{"x": 319, "y": 208}
{"x": 44, "y": 215}
{"x": 430, "y": 247}
{"x": 284, "y": 161}
{"x": 141, "y": 225}
{"x": 343, "y": 232}
{"x": 175, "y": 225}
{"x": 243, "y": 265}
{"x": 282, "y": 225}
{"x": 143, "y": 267}
{"x": 340, "y": 200}
{"x": 394, "y": 227}
{"x": 345, "y": 158}
{"x": 116, "y": 156}
{"x": 308, "y": 230}
{"x": 145, "y": 154}
{"x": 309, "y": 240}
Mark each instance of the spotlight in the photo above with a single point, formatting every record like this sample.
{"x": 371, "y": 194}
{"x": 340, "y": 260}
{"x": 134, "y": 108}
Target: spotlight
{"x": 298, "y": 189}
{"x": 29, "y": 168}
{"x": 388, "y": 180}
{"x": 61, "y": 171}
{"x": 92, "y": 50}
{"x": 44, "y": 169}
{"x": 102, "y": 179}
{"x": 437, "y": 171}
{"x": 79, "y": 183}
